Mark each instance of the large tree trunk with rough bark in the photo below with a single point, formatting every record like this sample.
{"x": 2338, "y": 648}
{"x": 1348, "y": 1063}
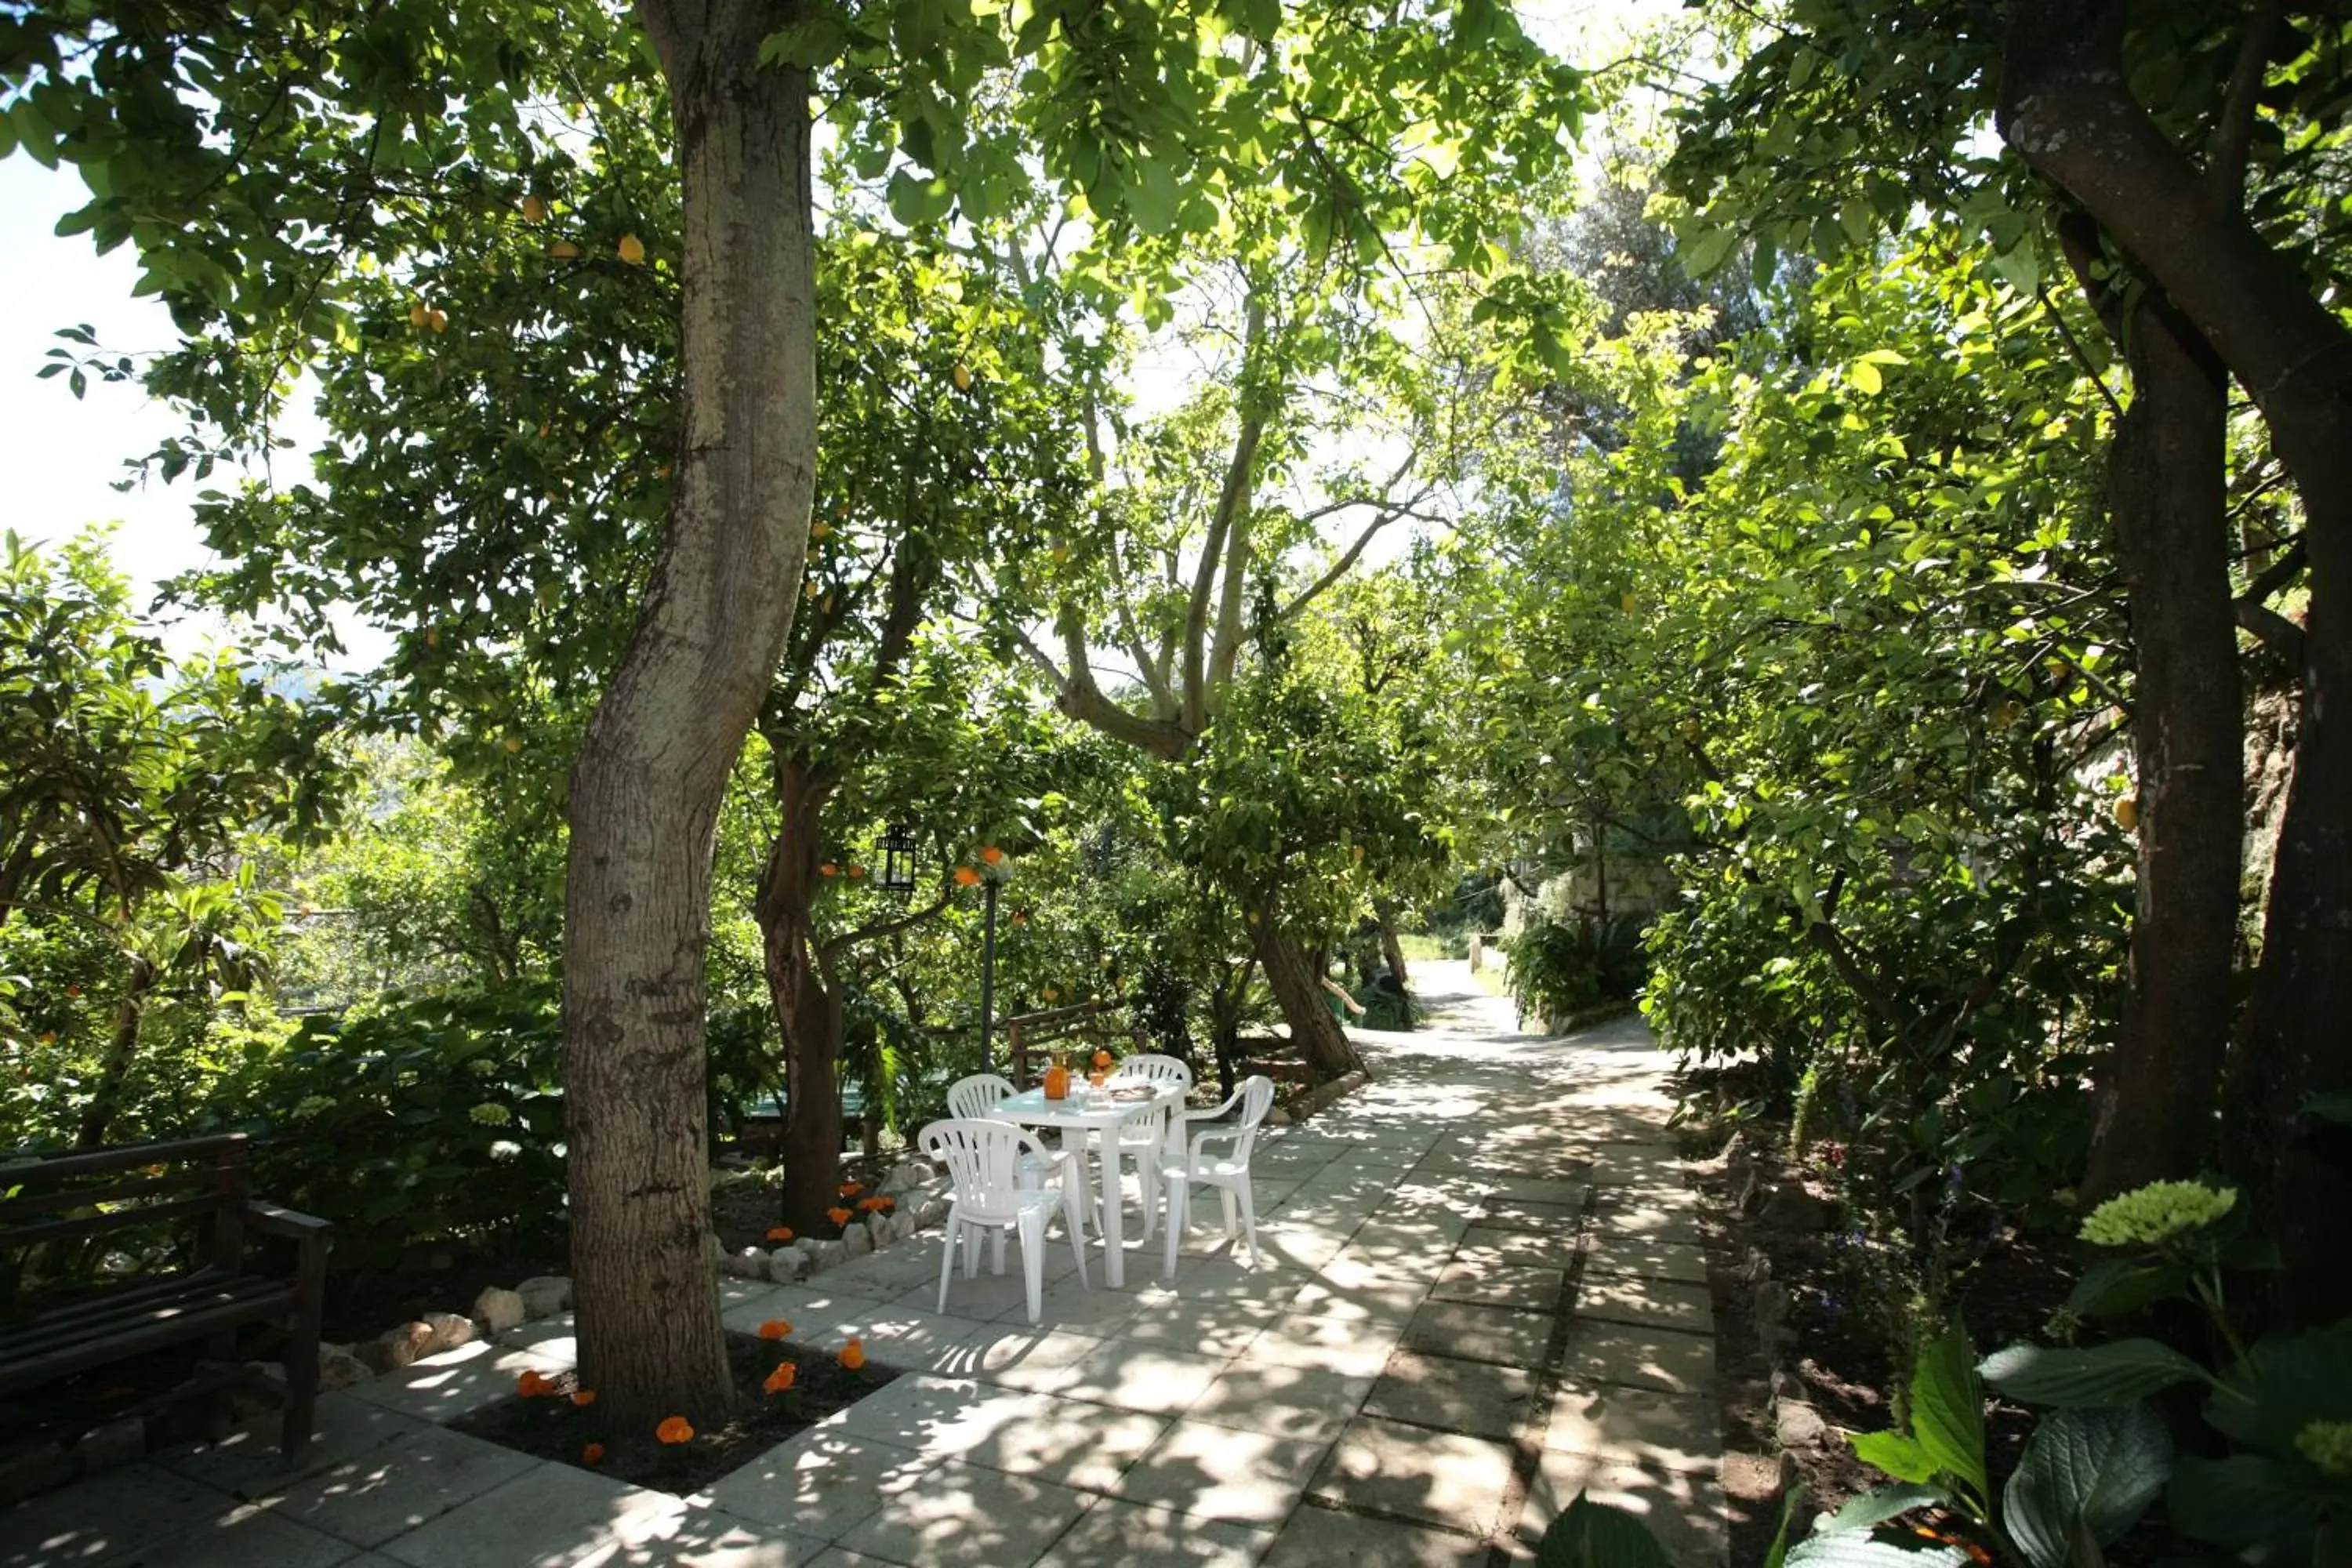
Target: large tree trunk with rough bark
{"x": 647, "y": 787}
{"x": 2168, "y": 505}
{"x": 1296, "y": 981}
{"x": 808, "y": 1011}
{"x": 2066, "y": 107}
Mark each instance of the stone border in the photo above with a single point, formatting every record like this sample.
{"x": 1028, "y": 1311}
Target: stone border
{"x": 1317, "y": 1099}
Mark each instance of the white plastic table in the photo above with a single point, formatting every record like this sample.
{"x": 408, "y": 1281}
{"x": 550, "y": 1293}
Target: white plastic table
{"x": 1085, "y": 1115}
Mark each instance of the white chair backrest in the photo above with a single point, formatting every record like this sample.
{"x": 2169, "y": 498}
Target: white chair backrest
{"x": 970, "y": 1098}
{"x": 1257, "y": 1099}
{"x": 1157, "y": 1068}
{"x": 984, "y": 1162}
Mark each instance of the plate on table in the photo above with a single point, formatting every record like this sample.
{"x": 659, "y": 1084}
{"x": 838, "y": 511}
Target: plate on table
{"x": 1129, "y": 1094}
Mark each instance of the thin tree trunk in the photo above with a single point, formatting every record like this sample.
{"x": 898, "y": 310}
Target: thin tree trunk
{"x": 1296, "y": 983}
{"x": 1391, "y": 948}
{"x": 2168, "y": 501}
{"x": 121, "y": 1051}
{"x": 647, "y": 787}
{"x": 2066, "y": 107}
{"x": 807, "y": 1012}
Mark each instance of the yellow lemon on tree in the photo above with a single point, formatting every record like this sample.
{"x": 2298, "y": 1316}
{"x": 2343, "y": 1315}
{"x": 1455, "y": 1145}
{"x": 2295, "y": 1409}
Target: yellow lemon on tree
{"x": 534, "y": 209}
{"x": 2128, "y": 813}
{"x": 1626, "y": 603}
{"x": 819, "y": 528}
{"x": 563, "y": 250}
{"x": 418, "y": 315}
{"x": 513, "y": 744}
{"x": 632, "y": 250}
{"x": 438, "y": 320}
{"x": 961, "y": 376}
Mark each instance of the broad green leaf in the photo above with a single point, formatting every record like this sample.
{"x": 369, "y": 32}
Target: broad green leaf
{"x": 2114, "y": 1373}
{"x": 2096, "y": 1469}
{"x": 1948, "y": 1407}
{"x": 1877, "y": 1506}
{"x": 2125, "y": 1285}
{"x": 1593, "y": 1535}
{"x": 1852, "y": 1549}
{"x": 1704, "y": 254}
{"x": 1895, "y": 1453}
{"x": 2244, "y": 1499}
{"x": 1864, "y": 376}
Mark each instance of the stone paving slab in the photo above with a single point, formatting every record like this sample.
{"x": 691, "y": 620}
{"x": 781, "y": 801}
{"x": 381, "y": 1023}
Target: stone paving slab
{"x": 1326, "y": 1538}
{"x": 1683, "y": 1510}
{"x": 1439, "y": 1477}
{"x": 1114, "y": 1531}
{"x": 1662, "y": 1359}
{"x": 1215, "y": 1472}
{"x": 1636, "y": 1427}
{"x": 1476, "y": 1397}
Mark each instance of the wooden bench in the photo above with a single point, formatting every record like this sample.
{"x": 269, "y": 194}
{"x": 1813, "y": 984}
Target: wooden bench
{"x": 1082, "y": 1030}
{"x": 58, "y": 1214}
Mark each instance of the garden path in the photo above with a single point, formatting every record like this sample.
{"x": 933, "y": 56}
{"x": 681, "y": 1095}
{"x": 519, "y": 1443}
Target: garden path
{"x": 1482, "y": 1292}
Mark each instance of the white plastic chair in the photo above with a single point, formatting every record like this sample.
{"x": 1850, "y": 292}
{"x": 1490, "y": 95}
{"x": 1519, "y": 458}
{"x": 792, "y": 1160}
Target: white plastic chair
{"x": 1229, "y": 1173}
{"x": 972, "y": 1098}
{"x": 983, "y": 1158}
{"x": 1147, "y": 1138}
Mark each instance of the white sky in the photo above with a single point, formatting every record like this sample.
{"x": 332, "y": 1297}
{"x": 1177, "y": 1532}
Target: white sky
{"x": 62, "y": 457}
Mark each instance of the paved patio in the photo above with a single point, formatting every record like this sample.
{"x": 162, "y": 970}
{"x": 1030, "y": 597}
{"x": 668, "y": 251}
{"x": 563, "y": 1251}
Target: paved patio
{"x": 1482, "y": 1292}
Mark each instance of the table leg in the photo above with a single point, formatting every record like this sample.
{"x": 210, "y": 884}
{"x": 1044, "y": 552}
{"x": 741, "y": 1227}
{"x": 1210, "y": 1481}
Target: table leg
{"x": 1114, "y": 1221}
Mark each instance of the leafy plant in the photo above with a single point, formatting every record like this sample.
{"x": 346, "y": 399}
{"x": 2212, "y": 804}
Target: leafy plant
{"x": 1555, "y": 968}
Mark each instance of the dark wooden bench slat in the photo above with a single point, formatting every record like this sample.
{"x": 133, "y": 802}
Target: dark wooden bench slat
{"x": 98, "y": 1320}
{"x": 65, "y": 1361}
{"x": 12, "y": 1210}
{"x": 48, "y": 1169}
{"x": 116, "y": 1219}
{"x": 83, "y": 1302}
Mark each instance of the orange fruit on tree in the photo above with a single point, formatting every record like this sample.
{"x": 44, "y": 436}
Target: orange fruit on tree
{"x": 828, "y": 869}
{"x": 855, "y": 871}
{"x": 992, "y": 856}
{"x": 632, "y": 250}
{"x": 966, "y": 877}
{"x": 564, "y": 250}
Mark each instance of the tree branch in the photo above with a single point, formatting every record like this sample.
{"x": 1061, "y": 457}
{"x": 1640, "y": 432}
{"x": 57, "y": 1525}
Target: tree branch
{"x": 2227, "y": 174}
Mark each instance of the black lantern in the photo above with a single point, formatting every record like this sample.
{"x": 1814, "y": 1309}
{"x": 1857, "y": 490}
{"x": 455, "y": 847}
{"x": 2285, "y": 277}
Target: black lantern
{"x": 897, "y": 861}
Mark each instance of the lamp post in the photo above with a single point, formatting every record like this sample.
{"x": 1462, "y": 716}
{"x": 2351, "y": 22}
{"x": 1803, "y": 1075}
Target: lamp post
{"x": 988, "y": 970}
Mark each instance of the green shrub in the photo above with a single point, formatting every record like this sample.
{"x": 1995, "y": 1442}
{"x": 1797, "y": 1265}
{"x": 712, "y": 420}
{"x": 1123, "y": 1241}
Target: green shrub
{"x": 1554, "y": 969}
{"x": 422, "y": 1120}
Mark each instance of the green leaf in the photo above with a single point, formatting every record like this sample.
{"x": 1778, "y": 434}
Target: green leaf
{"x": 1876, "y": 1507}
{"x": 2243, "y": 1500}
{"x": 1851, "y": 1548}
{"x": 2114, "y": 1373}
{"x": 1864, "y": 376}
{"x": 1895, "y": 1453}
{"x": 1594, "y": 1535}
{"x": 1948, "y": 1407}
{"x": 1706, "y": 252}
{"x": 2096, "y": 1469}
{"x": 2115, "y": 1285}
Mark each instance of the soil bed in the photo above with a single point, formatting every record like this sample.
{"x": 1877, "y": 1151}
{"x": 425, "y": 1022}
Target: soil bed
{"x": 1840, "y": 1364}
{"x": 550, "y": 1427}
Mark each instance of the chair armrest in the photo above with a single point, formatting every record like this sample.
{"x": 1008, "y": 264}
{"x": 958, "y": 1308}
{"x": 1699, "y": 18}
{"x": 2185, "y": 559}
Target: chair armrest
{"x": 1227, "y": 1134}
{"x": 1215, "y": 1111}
{"x": 293, "y": 1225}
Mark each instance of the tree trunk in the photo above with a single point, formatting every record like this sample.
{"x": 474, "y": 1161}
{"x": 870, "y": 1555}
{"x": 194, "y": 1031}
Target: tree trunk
{"x": 2066, "y": 107}
{"x": 647, "y": 787}
{"x": 1297, "y": 982}
{"x": 121, "y": 1051}
{"x": 2168, "y": 501}
{"x": 807, "y": 1010}
{"x": 1391, "y": 948}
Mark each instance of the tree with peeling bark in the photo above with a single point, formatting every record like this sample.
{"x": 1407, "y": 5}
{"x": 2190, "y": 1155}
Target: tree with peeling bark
{"x": 2177, "y": 158}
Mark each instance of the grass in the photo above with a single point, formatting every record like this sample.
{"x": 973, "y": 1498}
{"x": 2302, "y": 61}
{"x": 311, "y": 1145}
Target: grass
{"x": 1419, "y": 946}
